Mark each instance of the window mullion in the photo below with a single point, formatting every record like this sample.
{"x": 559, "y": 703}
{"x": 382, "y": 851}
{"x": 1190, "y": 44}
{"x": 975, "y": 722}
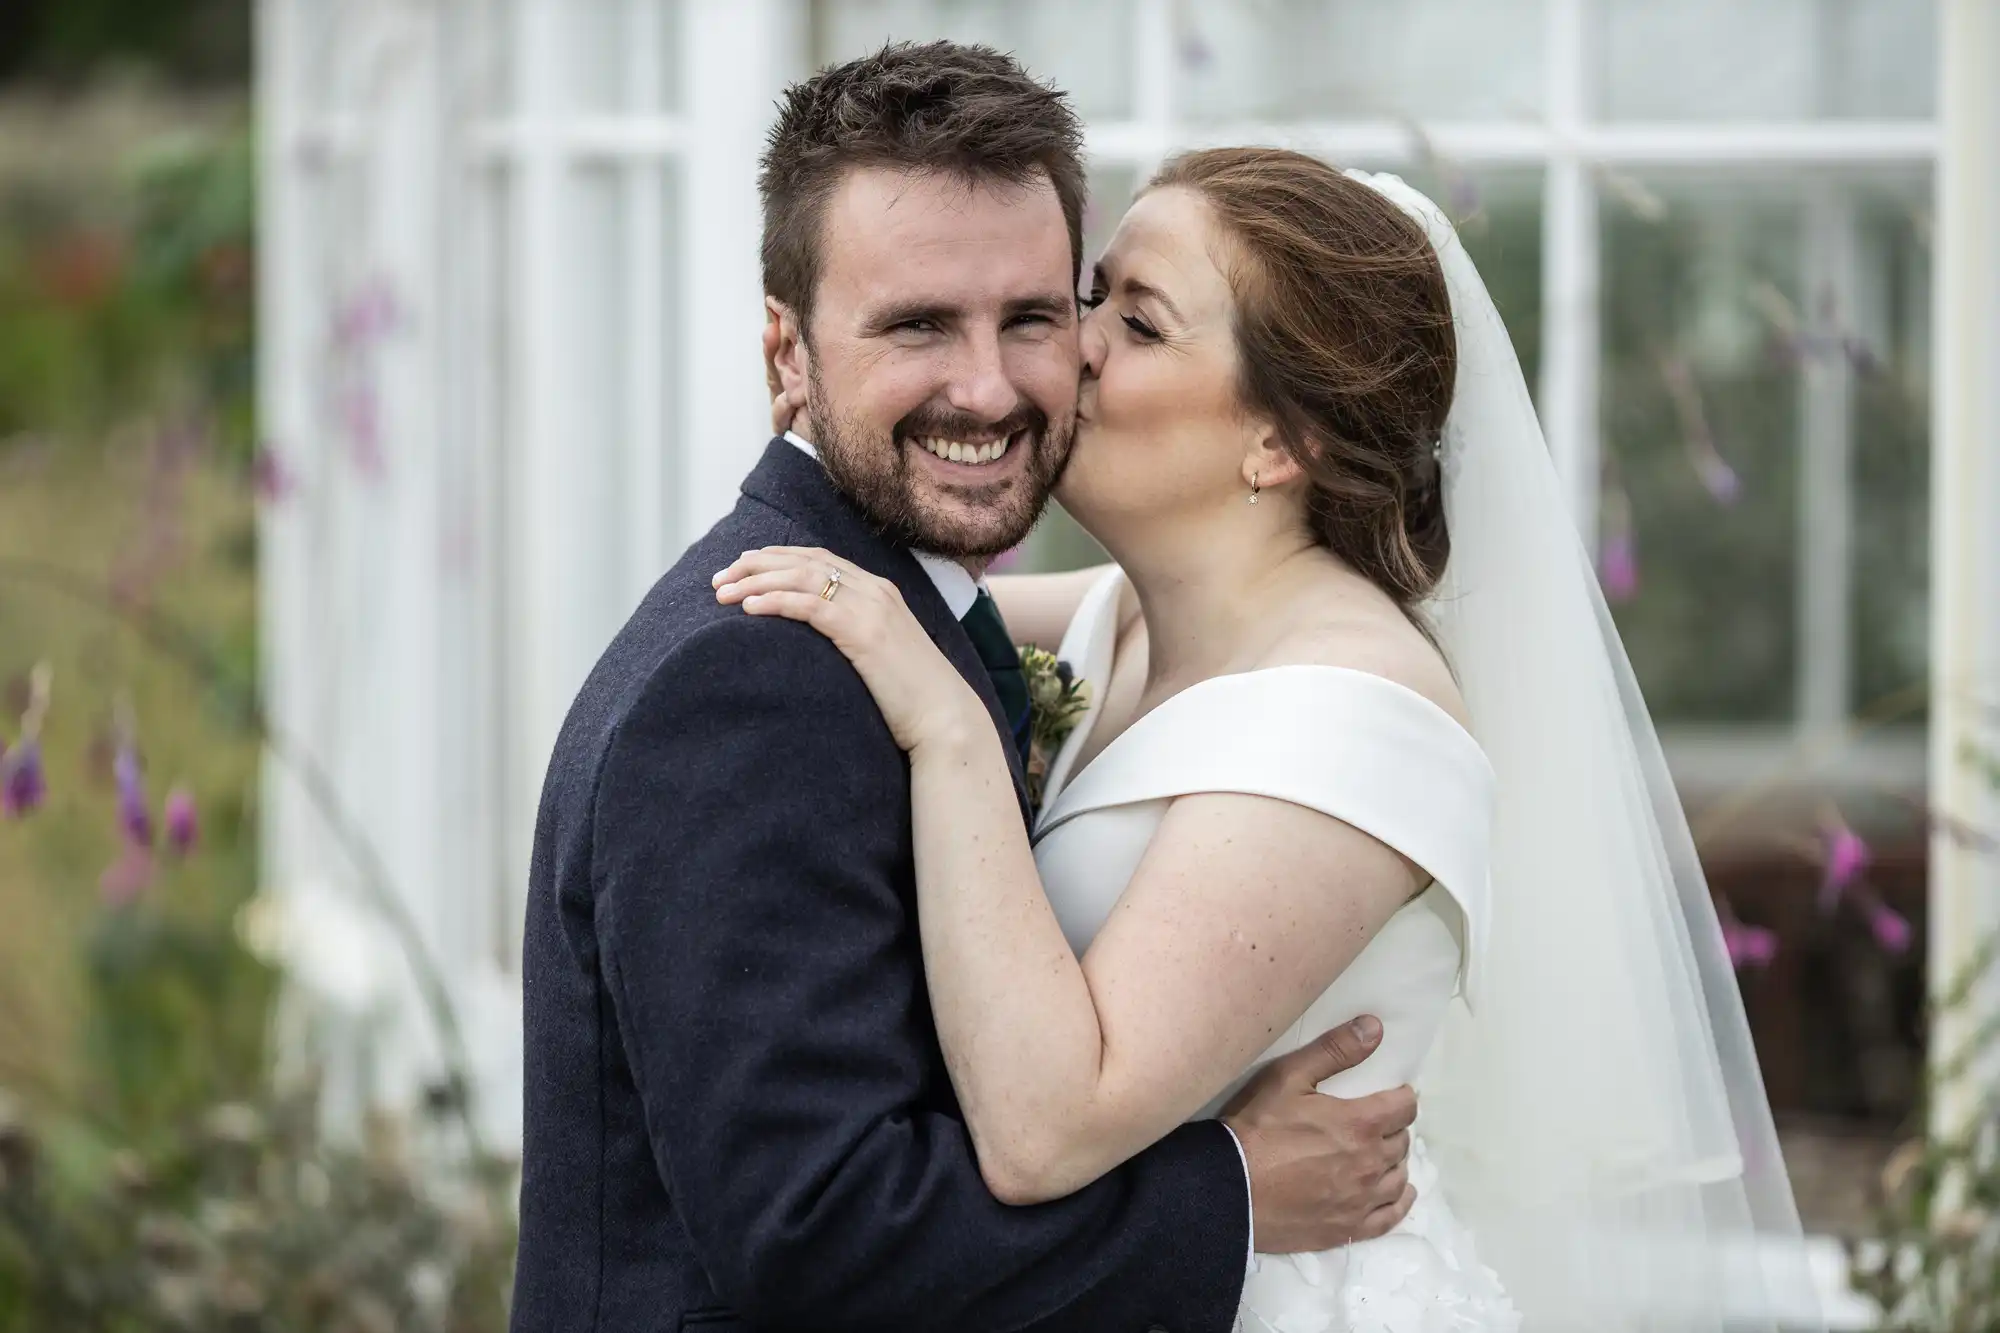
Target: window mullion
{"x": 1571, "y": 355}
{"x": 1826, "y": 519}
{"x": 1156, "y": 62}
{"x": 646, "y": 481}
{"x": 541, "y": 627}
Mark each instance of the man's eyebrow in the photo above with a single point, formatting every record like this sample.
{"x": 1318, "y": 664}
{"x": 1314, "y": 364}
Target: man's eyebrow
{"x": 1043, "y": 303}
{"x": 941, "y": 312}
{"x": 905, "y": 312}
{"x": 1101, "y": 283}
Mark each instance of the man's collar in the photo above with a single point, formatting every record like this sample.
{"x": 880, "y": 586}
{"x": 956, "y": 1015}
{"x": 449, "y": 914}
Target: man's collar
{"x": 954, "y": 581}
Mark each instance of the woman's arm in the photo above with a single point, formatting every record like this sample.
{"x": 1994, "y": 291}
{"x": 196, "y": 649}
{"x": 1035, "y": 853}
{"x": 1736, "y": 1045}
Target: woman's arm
{"x": 1242, "y": 911}
{"x": 1038, "y": 608}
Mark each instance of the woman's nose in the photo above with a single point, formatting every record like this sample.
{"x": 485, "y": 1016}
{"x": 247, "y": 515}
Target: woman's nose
{"x": 1093, "y": 344}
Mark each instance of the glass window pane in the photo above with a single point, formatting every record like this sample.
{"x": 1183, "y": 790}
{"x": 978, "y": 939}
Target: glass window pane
{"x": 1768, "y": 60}
{"x": 592, "y": 374}
{"x": 607, "y": 55}
{"x": 1499, "y": 218}
{"x": 1324, "y": 59}
{"x": 1700, "y": 414}
{"x": 482, "y": 44}
{"x": 1111, "y": 193}
{"x": 591, "y": 68}
{"x": 666, "y": 96}
{"x": 1083, "y": 47}
{"x": 1889, "y": 348}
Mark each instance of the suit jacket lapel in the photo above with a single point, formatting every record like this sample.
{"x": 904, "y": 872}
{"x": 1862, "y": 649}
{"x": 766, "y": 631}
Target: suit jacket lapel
{"x": 794, "y": 483}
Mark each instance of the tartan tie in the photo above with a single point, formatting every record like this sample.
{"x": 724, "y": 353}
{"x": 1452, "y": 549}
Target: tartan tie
{"x": 1002, "y": 661}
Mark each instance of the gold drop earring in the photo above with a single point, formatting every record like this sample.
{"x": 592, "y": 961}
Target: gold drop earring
{"x": 1254, "y": 488}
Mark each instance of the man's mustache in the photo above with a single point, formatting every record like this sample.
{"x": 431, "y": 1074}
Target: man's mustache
{"x": 928, "y": 423}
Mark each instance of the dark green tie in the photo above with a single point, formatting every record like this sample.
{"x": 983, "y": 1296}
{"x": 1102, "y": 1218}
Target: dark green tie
{"x": 1002, "y": 661}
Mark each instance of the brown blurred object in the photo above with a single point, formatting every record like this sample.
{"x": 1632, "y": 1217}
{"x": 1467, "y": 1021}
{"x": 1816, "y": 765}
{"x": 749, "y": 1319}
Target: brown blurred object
{"x": 80, "y": 268}
{"x": 1837, "y": 1019}
{"x": 1838, "y": 1022}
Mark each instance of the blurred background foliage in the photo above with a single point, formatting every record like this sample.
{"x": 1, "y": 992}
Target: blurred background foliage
{"x": 70, "y": 43}
{"x": 127, "y": 436}
{"x": 154, "y": 1172}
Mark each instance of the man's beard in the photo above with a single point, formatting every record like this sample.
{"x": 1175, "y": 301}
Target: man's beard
{"x": 881, "y": 478}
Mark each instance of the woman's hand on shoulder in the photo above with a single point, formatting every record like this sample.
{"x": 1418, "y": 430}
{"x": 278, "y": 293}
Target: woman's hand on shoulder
{"x": 921, "y": 695}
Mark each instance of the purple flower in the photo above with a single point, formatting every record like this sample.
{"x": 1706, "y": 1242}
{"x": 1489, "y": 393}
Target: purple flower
{"x": 1749, "y": 946}
{"x": 1846, "y": 857}
{"x": 1463, "y": 192}
{"x": 1618, "y": 565}
{"x": 135, "y": 821}
{"x": 269, "y": 477}
{"x": 367, "y": 314}
{"x": 360, "y": 411}
{"x": 22, "y": 784}
{"x": 179, "y": 816}
{"x": 1892, "y": 932}
{"x": 1718, "y": 477}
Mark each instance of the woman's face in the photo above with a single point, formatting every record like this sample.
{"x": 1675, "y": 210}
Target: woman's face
{"x": 1161, "y": 435}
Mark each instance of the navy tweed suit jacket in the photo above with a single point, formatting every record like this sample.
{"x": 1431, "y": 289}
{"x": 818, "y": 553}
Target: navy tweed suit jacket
{"x": 737, "y": 1113}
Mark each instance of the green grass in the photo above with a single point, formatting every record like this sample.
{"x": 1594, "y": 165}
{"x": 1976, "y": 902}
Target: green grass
{"x": 70, "y": 1036}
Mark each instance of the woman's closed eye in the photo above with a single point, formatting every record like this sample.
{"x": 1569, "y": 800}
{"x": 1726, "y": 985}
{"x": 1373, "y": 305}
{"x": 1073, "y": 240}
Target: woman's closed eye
{"x": 1141, "y": 330}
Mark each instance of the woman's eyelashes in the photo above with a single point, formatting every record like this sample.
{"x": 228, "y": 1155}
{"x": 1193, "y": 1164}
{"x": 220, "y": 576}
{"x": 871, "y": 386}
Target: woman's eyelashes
{"x": 1139, "y": 328}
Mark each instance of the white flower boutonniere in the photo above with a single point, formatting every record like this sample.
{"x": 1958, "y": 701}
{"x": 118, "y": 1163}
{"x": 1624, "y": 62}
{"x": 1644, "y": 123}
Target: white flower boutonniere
{"x": 1056, "y": 703}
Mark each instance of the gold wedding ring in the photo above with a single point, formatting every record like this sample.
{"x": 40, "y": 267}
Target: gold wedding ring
{"x": 832, "y": 586}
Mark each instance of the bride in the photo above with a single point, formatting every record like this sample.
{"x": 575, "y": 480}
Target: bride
{"x": 1360, "y": 738}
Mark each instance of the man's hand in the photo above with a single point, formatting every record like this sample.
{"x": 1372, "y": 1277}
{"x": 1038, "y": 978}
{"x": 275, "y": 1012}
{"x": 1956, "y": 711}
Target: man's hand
{"x": 1324, "y": 1171}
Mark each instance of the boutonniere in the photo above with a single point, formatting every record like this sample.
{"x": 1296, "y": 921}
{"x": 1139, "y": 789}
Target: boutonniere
{"x": 1056, "y": 703}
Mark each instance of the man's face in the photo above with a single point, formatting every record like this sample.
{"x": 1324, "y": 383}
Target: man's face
{"x": 941, "y": 358}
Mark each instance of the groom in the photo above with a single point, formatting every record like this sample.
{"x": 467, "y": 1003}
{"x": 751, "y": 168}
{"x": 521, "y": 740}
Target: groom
{"x": 737, "y": 1114}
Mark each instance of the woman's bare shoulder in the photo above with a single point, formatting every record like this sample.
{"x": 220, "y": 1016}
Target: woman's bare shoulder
{"x": 1377, "y": 639}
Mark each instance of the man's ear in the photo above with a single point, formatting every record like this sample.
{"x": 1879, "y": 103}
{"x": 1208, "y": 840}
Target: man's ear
{"x": 785, "y": 368}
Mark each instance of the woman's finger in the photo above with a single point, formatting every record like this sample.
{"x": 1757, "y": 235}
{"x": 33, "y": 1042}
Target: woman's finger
{"x": 759, "y": 562}
{"x": 816, "y": 553}
{"x": 802, "y": 606}
{"x": 781, "y": 557}
{"x": 795, "y": 578}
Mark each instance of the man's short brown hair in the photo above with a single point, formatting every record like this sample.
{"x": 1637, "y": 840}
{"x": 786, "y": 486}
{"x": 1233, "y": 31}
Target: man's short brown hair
{"x": 967, "y": 111}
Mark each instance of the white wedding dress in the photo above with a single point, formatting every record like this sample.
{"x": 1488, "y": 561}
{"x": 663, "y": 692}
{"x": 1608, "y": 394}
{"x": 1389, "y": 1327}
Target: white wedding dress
{"x": 1391, "y": 763}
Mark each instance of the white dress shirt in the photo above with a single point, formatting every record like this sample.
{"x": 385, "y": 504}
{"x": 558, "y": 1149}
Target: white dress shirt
{"x": 956, "y": 584}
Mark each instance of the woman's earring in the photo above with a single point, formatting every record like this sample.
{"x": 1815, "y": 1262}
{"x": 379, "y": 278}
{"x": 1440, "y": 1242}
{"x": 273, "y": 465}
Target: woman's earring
{"x": 1253, "y": 487}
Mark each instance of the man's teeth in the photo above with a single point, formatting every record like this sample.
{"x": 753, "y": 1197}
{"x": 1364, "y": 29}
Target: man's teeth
{"x": 958, "y": 451}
